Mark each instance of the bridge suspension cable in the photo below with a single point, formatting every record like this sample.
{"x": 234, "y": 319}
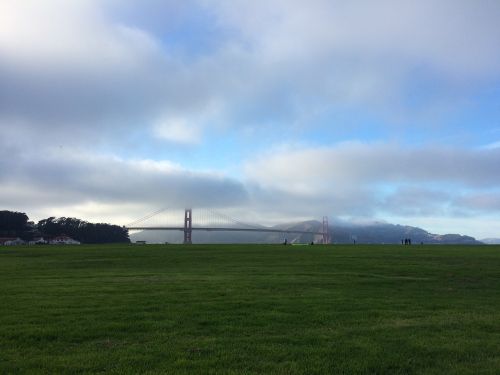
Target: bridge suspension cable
{"x": 210, "y": 220}
{"x": 229, "y": 220}
{"x": 146, "y": 217}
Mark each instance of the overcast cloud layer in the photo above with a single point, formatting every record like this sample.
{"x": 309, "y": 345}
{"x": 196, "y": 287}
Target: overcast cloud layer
{"x": 278, "y": 110}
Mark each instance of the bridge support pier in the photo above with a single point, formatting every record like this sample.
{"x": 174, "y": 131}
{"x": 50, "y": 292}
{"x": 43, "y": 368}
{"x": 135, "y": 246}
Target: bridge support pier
{"x": 188, "y": 225}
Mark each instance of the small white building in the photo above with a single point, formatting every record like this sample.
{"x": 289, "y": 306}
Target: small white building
{"x": 3, "y": 240}
{"x": 38, "y": 241}
{"x": 63, "y": 240}
{"x": 12, "y": 241}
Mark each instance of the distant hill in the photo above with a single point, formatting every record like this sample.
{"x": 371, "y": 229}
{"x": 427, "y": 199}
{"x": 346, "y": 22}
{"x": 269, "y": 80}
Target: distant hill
{"x": 491, "y": 241}
{"x": 375, "y": 233}
{"x": 394, "y": 233}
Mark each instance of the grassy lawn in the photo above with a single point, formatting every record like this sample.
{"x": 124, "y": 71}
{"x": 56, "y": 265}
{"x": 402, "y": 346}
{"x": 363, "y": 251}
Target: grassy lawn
{"x": 250, "y": 309}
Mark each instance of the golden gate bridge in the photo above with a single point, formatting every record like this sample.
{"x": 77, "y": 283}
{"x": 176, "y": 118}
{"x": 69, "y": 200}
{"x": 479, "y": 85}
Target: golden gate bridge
{"x": 210, "y": 221}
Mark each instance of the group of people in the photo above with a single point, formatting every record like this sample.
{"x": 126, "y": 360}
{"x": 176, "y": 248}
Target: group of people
{"x": 406, "y": 241}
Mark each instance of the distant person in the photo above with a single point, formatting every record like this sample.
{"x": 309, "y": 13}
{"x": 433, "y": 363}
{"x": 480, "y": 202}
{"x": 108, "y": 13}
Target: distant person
{"x": 312, "y": 242}
{"x": 406, "y": 241}
{"x": 402, "y": 241}
{"x": 285, "y": 242}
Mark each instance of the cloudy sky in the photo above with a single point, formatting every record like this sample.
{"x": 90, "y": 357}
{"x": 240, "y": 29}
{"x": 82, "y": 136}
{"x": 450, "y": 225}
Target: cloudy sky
{"x": 272, "y": 110}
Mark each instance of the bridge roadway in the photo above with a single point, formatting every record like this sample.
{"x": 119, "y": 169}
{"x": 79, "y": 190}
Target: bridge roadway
{"x": 229, "y": 229}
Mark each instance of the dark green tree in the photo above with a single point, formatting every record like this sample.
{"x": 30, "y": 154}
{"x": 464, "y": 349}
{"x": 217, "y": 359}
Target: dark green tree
{"x": 13, "y": 223}
{"x": 83, "y": 231}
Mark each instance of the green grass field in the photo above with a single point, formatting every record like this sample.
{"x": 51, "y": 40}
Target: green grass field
{"x": 250, "y": 309}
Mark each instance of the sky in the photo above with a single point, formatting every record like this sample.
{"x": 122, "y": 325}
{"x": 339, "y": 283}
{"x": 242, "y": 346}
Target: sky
{"x": 273, "y": 111}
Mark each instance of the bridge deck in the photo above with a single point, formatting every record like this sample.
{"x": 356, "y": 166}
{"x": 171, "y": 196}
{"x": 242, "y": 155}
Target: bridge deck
{"x": 229, "y": 229}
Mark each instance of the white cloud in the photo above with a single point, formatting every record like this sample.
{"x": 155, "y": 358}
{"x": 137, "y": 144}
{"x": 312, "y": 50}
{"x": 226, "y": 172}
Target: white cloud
{"x": 178, "y": 130}
{"x": 57, "y": 34}
{"x": 80, "y": 75}
{"x": 417, "y": 201}
{"x": 357, "y": 179}
{"x": 492, "y": 145}
{"x": 78, "y": 64}
{"x": 67, "y": 67}
{"x": 351, "y": 180}
{"x": 55, "y": 179}
{"x": 480, "y": 201}
{"x": 451, "y": 36}
{"x": 358, "y": 163}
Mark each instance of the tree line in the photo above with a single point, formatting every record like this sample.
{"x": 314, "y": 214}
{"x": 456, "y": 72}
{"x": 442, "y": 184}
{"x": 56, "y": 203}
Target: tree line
{"x": 17, "y": 224}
